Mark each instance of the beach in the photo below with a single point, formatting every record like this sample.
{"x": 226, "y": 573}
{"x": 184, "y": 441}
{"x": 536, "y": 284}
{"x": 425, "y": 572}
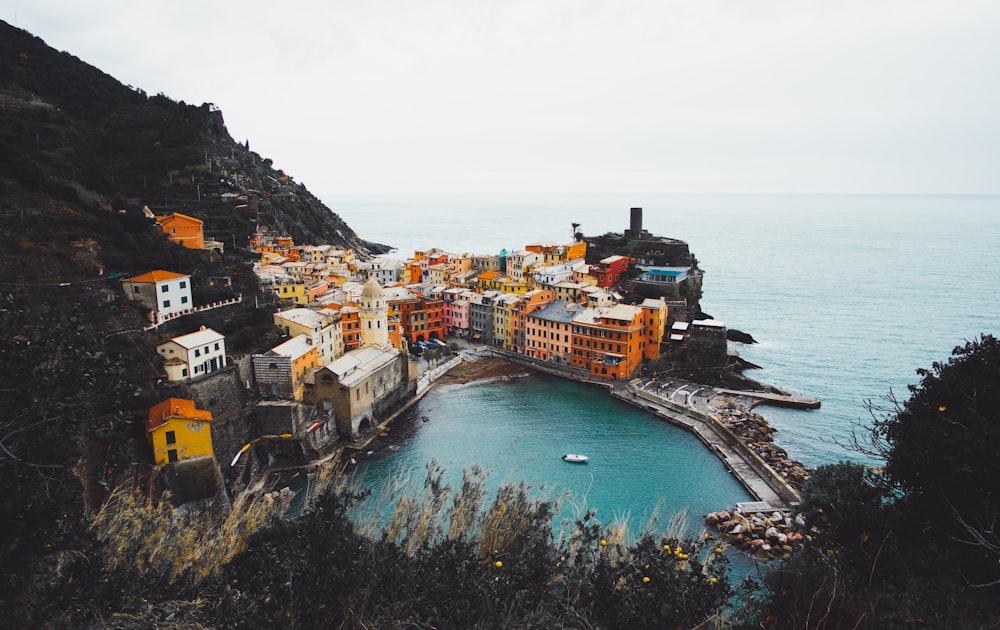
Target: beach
{"x": 482, "y": 368}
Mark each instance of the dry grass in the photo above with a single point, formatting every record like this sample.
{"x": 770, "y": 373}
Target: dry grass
{"x": 155, "y": 537}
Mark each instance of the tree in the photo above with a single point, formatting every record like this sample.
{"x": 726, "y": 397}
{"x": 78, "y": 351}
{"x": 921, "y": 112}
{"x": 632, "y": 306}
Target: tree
{"x": 902, "y": 548}
{"x": 942, "y": 454}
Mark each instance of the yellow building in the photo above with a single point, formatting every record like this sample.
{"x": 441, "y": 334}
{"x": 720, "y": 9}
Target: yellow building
{"x": 178, "y": 431}
{"x": 439, "y": 273}
{"x": 291, "y": 290}
{"x": 504, "y": 316}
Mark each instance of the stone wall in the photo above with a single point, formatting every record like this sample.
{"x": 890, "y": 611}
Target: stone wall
{"x": 224, "y": 395}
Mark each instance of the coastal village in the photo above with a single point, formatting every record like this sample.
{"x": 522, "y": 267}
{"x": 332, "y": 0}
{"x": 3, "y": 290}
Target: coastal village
{"x": 362, "y": 337}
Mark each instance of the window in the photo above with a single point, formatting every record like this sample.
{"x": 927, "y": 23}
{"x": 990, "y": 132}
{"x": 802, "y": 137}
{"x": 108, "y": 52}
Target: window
{"x": 183, "y": 284}
{"x": 184, "y": 371}
{"x": 216, "y": 345}
{"x": 171, "y": 437}
{"x": 172, "y": 455}
{"x": 197, "y": 352}
{"x": 166, "y": 303}
{"x": 164, "y": 289}
{"x": 184, "y": 299}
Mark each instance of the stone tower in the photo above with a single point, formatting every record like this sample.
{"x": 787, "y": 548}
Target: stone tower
{"x": 374, "y": 316}
{"x": 634, "y": 230}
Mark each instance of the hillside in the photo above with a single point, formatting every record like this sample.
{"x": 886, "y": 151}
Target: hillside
{"x": 81, "y": 155}
{"x": 72, "y": 135}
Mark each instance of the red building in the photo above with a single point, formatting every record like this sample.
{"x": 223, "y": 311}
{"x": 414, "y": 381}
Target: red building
{"x": 609, "y": 270}
{"x": 422, "y": 318}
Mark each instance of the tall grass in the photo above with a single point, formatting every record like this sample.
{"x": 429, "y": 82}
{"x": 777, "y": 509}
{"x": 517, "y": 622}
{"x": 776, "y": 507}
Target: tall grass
{"x": 144, "y": 536}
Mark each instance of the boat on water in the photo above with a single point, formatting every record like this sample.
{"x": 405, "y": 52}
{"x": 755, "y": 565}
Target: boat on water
{"x": 575, "y": 458}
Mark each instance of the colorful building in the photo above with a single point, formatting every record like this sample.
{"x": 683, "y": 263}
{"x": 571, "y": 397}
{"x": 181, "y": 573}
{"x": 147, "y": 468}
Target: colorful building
{"x": 183, "y": 230}
{"x": 610, "y": 270}
{"x": 422, "y": 318}
{"x": 288, "y": 289}
{"x": 529, "y": 303}
{"x": 323, "y": 328}
{"x": 350, "y": 324}
{"x": 521, "y": 263}
{"x": 505, "y": 314}
{"x": 178, "y": 431}
{"x": 456, "y": 312}
{"x": 280, "y": 372}
{"x": 654, "y": 323}
{"x": 548, "y": 331}
{"x": 607, "y": 342}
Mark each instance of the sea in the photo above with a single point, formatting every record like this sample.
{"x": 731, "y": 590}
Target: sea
{"x": 846, "y": 296}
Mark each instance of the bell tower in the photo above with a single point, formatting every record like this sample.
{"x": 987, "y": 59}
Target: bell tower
{"x": 374, "y": 316}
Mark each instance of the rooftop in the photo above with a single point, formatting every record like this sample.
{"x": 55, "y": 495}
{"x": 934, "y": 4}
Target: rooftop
{"x": 198, "y": 338}
{"x": 158, "y": 275}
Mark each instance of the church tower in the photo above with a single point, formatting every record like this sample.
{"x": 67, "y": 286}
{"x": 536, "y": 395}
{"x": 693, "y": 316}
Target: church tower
{"x": 374, "y": 316}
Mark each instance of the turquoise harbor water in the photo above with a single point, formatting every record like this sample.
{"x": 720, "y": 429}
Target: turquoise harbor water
{"x": 847, "y": 296}
{"x": 519, "y": 429}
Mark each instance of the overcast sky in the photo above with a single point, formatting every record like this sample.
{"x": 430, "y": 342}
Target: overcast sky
{"x": 714, "y": 96}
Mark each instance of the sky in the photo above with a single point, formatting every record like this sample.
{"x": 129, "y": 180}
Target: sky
{"x": 572, "y": 96}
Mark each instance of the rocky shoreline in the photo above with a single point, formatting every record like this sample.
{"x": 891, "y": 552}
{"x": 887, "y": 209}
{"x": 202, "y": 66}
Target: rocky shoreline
{"x": 754, "y": 431}
{"x": 765, "y": 535}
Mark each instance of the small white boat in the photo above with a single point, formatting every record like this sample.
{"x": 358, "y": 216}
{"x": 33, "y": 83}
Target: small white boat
{"x": 574, "y": 458}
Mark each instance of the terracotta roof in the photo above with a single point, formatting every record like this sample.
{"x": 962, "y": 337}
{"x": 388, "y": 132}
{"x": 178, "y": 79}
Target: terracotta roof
{"x": 174, "y": 408}
{"x": 178, "y": 215}
{"x": 158, "y": 275}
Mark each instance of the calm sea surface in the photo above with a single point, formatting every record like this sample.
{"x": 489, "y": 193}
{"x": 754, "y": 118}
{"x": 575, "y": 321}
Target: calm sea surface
{"x": 846, "y": 295}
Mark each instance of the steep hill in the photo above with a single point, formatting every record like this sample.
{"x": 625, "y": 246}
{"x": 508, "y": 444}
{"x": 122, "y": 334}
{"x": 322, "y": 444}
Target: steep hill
{"x": 80, "y": 156}
{"x": 73, "y": 135}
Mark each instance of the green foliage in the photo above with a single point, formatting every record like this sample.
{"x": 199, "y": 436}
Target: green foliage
{"x": 844, "y": 507}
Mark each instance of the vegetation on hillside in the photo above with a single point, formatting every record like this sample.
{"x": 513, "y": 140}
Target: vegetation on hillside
{"x": 913, "y": 544}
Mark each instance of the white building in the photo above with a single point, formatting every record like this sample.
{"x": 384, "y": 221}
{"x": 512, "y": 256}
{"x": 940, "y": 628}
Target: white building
{"x": 322, "y": 327}
{"x": 194, "y": 354}
{"x": 164, "y": 292}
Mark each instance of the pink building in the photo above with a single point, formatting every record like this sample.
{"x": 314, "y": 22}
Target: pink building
{"x": 548, "y": 331}
{"x": 456, "y": 312}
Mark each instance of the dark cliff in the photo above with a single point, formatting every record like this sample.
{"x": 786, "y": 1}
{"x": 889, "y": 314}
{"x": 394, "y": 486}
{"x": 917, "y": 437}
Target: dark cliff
{"x": 73, "y": 135}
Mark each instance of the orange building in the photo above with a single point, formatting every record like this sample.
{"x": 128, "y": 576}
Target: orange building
{"x": 654, "y": 323}
{"x": 350, "y": 325}
{"x": 529, "y": 303}
{"x": 183, "y": 230}
{"x": 608, "y": 342}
